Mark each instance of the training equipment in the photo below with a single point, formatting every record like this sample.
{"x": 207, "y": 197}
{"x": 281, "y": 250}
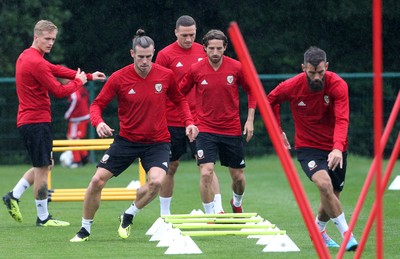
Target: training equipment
{"x": 124, "y": 229}
{"x": 50, "y": 222}
{"x": 108, "y": 194}
{"x": 81, "y": 236}
{"x": 395, "y": 185}
{"x": 175, "y": 231}
{"x": 12, "y": 207}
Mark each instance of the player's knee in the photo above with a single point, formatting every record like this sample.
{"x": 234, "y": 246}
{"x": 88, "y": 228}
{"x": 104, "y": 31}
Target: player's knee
{"x": 97, "y": 183}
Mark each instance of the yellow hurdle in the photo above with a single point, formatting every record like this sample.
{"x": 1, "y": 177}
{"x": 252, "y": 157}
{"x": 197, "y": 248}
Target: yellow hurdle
{"x": 77, "y": 194}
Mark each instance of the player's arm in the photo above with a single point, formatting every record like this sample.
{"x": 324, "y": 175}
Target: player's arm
{"x": 105, "y": 96}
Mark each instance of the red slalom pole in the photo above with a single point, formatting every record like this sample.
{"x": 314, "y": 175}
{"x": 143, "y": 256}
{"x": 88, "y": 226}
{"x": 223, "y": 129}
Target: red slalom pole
{"x": 274, "y": 132}
{"x": 370, "y": 175}
{"x": 372, "y": 215}
{"x": 377, "y": 67}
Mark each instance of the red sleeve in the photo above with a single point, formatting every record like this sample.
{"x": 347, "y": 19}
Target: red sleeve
{"x": 105, "y": 96}
{"x": 341, "y": 109}
{"x": 44, "y": 75}
{"x": 64, "y": 72}
{"x": 187, "y": 83}
{"x": 275, "y": 99}
{"x": 251, "y": 99}
{"x": 180, "y": 101}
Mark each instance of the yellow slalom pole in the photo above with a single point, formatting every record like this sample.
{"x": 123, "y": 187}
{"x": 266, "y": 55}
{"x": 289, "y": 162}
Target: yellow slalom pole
{"x": 81, "y": 142}
{"x": 219, "y": 226}
{"x": 214, "y": 220}
{"x": 233, "y": 233}
{"x": 224, "y": 215}
{"x": 142, "y": 174}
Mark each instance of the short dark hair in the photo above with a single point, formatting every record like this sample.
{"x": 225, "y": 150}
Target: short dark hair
{"x": 185, "y": 21}
{"x": 214, "y": 35}
{"x": 314, "y": 56}
{"x": 141, "y": 39}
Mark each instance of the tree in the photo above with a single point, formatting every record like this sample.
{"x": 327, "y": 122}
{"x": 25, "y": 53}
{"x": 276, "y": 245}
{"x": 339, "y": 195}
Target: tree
{"x": 17, "y": 20}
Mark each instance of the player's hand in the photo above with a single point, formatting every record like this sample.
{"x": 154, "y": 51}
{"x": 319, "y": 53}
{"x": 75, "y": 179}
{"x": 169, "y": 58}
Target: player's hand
{"x": 191, "y": 132}
{"x": 81, "y": 75}
{"x": 248, "y": 130}
{"x": 335, "y": 158}
{"x": 99, "y": 76}
{"x": 285, "y": 141}
{"x": 103, "y": 130}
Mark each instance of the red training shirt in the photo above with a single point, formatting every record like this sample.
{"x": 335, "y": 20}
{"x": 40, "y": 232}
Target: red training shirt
{"x": 35, "y": 77}
{"x": 179, "y": 61}
{"x": 321, "y": 119}
{"x": 217, "y": 95}
{"x": 78, "y": 109}
{"x": 141, "y": 103}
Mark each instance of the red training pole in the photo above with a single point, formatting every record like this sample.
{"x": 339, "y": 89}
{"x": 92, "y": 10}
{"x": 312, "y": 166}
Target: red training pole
{"x": 377, "y": 67}
{"x": 274, "y": 132}
{"x": 372, "y": 215}
{"x": 370, "y": 175}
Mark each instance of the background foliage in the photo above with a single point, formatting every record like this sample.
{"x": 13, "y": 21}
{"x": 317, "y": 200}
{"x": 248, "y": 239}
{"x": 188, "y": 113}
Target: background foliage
{"x": 96, "y": 35}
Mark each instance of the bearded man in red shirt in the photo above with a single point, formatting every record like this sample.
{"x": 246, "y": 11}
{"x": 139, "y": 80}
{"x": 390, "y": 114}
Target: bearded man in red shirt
{"x": 216, "y": 81}
{"x": 319, "y": 102}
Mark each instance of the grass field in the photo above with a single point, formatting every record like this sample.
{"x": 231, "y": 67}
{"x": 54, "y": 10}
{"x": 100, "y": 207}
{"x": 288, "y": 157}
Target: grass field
{"x": 268, "y": 193}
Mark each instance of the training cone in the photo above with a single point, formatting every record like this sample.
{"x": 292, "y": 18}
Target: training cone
{"x": 281, "y": 243}
{"x": 156, "y": 225}
{"x": 265, "y": 240}
{"x": 395, "y": 185}
{"x": 161, "y": 231}
{"x": 170, "y": 235}
{"x": 183, "y": 245}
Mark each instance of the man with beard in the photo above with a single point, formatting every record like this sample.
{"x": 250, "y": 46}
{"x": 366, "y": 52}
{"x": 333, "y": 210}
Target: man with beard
{"x": 216, "y": 81}
{"x": 320, "y": 106}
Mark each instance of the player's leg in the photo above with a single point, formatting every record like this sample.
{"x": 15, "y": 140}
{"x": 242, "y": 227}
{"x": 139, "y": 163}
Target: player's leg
{"x": 232, "y": 155}
{"x": 178, "y": 148}
{"x": 11, "y": 199}
{"x": 206, "y": 157}
{"x": 155, "y": 162}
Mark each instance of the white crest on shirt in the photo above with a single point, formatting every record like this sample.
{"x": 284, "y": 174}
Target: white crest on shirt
{"x": 179, "y": 64}
{"x": 204, "y": 82}
{"x": 229, "y": 79}
{"x": 199, "y": 59}
{"x": 326, "y": 99}
{"x": 158, "y": 87}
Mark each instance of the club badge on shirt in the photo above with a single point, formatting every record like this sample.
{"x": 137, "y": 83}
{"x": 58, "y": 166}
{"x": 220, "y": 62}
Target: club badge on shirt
{"x": 158, "y": 87}
{"x": 229, "y": 79}
{"x": 326, "y": 99}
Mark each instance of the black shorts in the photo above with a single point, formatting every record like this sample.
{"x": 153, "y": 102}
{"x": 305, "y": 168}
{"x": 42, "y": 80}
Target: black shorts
{"x": 229, "y": 149}
{"x": 38, "y": 140}
{"x": 122, "y": 153}
{"x": 179, "y": 142}
{"x": 313, "y": 160}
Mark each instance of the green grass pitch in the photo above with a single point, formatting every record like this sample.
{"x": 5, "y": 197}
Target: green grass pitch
{"x": 267, "y": 192}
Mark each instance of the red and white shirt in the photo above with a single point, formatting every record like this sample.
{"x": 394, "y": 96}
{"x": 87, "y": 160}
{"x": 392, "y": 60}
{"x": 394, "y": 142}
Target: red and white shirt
{"x": 141, "y": 103}
{"x": 35, "y": 78}
{"x": 321, "y": 119}
{"x": 179, "y": 61}
{"x": 217, "y": 95}
{"x": 78, "y": 109}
